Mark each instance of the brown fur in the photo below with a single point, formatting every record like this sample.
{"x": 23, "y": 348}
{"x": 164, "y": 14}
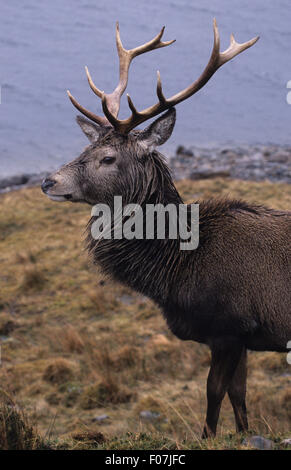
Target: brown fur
{"x": 232, "y": 292}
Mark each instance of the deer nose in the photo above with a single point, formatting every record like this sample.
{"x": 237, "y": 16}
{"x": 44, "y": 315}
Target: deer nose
{"x": 46, "y": 184}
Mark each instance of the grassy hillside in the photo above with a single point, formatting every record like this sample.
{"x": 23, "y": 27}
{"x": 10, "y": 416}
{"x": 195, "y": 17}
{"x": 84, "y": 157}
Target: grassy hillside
{"x": 75, "y": 346}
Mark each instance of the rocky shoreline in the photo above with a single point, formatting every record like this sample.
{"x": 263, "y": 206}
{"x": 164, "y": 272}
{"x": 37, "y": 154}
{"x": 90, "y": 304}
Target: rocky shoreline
{"x": 257, "y": 163}
{"x": 26, "y": 180}
{"x": 254, "y": 163}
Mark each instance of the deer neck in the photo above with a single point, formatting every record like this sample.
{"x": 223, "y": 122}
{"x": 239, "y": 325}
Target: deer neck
{"x": 142, "y": 264}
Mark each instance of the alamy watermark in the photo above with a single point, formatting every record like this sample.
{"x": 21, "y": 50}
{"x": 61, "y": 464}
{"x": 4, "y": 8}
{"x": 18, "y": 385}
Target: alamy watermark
{"x": 154, "y": 221}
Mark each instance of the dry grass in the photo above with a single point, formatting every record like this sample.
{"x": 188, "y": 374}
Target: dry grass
{"x": 58, "y": 372}
{"x": 74, "y": 345}
{"x": 104, "y": 393}
{"x": 16, "y": 432}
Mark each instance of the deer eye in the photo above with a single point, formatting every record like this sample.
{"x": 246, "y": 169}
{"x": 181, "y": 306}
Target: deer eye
{"x": 108, "y": 160}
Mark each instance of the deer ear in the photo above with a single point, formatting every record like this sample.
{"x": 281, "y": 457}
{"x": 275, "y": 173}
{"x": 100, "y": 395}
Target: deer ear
{"x": 91, "y": 130}
{"x": 159, "y": 131}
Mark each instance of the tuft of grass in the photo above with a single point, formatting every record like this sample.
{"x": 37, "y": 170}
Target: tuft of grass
{"x": 103, "y": 393}
{"x": 58, "y": 371}
{"x": 7, "y": 327}
{"x": 65, "y": 339}
{"x": 285, "y": 402}
{"x": 33, "y": 279}
{"x": 91, "y": 435}
{"x": 268, "y": 361}
{"x": 16, "y": 433}
{"x": 126, "y": 357}
{"x": 150, "y": 403}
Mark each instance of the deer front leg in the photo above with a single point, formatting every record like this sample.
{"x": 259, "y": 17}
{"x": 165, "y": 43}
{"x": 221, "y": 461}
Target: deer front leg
{"x": 226, "y": 354}
{"x": 237, "y": 393}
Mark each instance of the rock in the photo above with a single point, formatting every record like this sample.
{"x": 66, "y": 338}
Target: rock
{"x": 126, "y": 299}
{"x": 149, "y": 415}
{"x": 259, "y": 442}
{"x": 280, "y": 157}
{"x": 255, "y": 163}
{"x": 225, "y": 151}
{"x": 181, "y": 150}
{"x": 160, "y": 340}
{"x": 209, "y": 173}
{"x": 14, "y": 181}
{"x": 286, "y": 443}
{"x": 100, "y": 418}
{"x": 258, "y": 156}
{"x": 20, "y": 181}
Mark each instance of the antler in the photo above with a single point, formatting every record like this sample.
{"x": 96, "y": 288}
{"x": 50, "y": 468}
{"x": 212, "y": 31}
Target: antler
{"x": 112, "y": 101}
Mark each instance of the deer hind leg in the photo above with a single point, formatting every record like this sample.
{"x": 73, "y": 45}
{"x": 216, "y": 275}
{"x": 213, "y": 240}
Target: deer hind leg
{"x": 226, "y": 354}
{"x": 237, "y": 393}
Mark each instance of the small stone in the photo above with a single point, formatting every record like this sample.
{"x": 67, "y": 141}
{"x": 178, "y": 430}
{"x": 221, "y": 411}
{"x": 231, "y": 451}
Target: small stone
{"x": 150, "y": 415}
{"x": 259, "y": 442}
{"x": 257, "y": 156}
{"x": 286, "y": 442}
{"x": 126, "y": 299}
{"x": 100, "y": 418}
{"x": 181, "y": 150}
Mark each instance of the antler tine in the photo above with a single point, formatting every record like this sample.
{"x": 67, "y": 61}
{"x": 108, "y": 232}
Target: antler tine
{"x": 98, "y": 119}
{"x": 217, "y": 59}
{"x": 160, "y": 93}
{"x": 92, "y": 84}
{"x": 131, "y": 105}
{"x": 109, "y": 115}
{"x": 234, "y": 47}
{"x": 155, "y": 43}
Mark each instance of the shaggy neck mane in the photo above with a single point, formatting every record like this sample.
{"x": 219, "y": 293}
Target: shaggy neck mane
{"x": 134, "y": 262}
{"x": 150, "y": 182}
{"x": 150, "y": 266}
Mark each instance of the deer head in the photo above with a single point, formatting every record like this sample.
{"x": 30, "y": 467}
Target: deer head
{"x": 121, "y": 160}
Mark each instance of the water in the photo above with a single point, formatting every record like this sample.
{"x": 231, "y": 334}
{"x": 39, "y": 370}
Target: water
{"x": 44, "y": 47}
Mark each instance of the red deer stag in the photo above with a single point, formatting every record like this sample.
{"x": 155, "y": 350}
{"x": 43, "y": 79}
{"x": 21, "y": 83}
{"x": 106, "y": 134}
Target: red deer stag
{"x": 232, "y": 292}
